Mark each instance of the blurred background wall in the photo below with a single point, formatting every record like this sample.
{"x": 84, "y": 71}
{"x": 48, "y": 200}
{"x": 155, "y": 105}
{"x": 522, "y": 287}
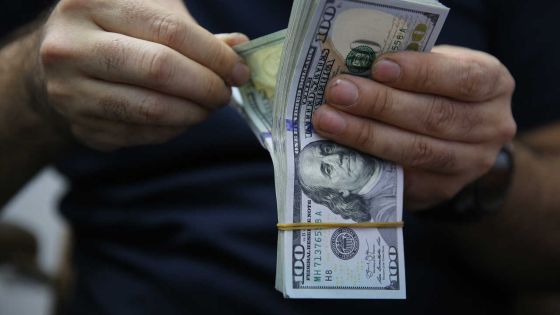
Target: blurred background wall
{"x": 34, "y": 210}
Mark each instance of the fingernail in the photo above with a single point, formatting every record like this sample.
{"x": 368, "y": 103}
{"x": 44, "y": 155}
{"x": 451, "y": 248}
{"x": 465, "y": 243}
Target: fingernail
{"x": 329, "y": 121}
{"x": 386, "y": 71}
{"x": 343, "y": 93}
{"x": 241, "y": 74}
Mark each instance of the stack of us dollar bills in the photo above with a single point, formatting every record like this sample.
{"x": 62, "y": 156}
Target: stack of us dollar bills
{"x": 318, "y": 181}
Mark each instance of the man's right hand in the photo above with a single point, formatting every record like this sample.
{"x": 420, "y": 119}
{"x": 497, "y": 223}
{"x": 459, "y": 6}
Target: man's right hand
{"x": 132, "y": 72}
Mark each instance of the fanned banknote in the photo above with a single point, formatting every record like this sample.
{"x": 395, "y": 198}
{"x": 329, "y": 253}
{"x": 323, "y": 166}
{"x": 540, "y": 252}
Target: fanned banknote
{"x": 318, "y": 181}
{"x": 263, "y": 56}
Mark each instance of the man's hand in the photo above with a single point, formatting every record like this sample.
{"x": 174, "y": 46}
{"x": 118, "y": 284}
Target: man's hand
{"x": 132, "y": 72}
{"x": 443, "y": 116}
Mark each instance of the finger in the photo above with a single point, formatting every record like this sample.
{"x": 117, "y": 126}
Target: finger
{"x": 462, "y": 74}
{"x": 118, "y": 58}
{"x": 106, "y": 135}
{"x": 233, "y": 39}
{"x": 148, "y": 21}
{"x": 133, "y": 105}
{"x": 431, "y": 115}
{"x": 397, "y": 145}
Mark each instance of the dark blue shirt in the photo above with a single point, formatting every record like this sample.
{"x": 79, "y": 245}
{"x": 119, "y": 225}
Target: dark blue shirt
{"x": 189, "y": 226}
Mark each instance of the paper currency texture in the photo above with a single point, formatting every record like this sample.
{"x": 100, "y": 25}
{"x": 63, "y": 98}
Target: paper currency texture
{"x": 318, "y": 181}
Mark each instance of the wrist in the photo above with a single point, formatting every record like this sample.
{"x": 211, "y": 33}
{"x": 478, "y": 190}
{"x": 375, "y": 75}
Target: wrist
{"x": 26, "y": 110}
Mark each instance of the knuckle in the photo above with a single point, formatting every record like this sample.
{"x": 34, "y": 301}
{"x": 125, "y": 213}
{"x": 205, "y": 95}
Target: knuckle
{"x": 157, "y": 67}
{"x": 472, "y": 78}
{"x": 59, "y": 97}
{"x": 113, "y": 108}
{"x": 218, "y": 58}
{"x": 215, "y": 92}
{"x": 381, "y": 102}
{"x": 60, "y": 102}
{"x": 420, "y": 153}
{"x": 364, "y": 138}
{"x": 507, "y": 130}
{"x": 152, "y": 110}
{"x": 469, "y": 122}
{"x": 509, "y": 83}
{"x": 52, "y": 50}
{"x": 440, "y": 115}
{"x": 445, "y": 160}
{"x": 505, "y": 83}
{"x": 479, "y": 77}
{"x": 424, "y": 78}
{"x": 424, "y": 155}
{"x": 112, "y": 54}
{"x": 128, "y": 10}
{"x": 169, "y": 29}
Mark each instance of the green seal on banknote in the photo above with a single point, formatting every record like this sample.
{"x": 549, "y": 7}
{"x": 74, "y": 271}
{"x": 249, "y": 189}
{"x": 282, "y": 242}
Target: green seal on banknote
{"x": 360, "y": 59}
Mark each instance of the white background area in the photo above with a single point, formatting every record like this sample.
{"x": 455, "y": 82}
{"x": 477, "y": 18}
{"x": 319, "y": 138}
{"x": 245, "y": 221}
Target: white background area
{"x": 35, "y": 209}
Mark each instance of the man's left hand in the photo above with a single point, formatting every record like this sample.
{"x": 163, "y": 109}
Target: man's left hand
{"x": 442, "y": 115}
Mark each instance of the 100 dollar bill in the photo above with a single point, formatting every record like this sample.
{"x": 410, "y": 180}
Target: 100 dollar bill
{"x": 327, "y": 182}
{"x": 319, "y": 181}
{"x": 255, "y": 99}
